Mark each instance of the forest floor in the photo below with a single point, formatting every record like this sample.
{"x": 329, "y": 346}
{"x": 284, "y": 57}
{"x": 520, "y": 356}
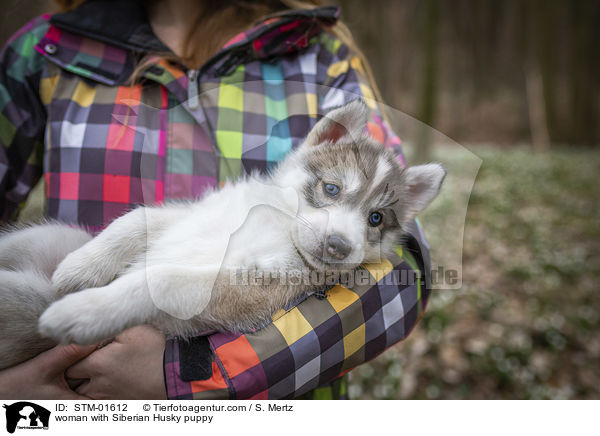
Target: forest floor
{"x": 526, "y": 322}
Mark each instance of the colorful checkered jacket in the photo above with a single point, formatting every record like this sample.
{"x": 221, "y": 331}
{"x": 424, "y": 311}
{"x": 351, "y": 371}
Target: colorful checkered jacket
{"x": 69, "y": 113}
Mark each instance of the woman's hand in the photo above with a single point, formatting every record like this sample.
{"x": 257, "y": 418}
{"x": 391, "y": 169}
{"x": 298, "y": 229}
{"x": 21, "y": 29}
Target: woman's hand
{"x": 43, "y": 377}
{"x": 130, "y": 367}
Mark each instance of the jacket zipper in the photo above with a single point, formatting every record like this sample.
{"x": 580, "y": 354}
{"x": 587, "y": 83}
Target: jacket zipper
{"x": 193, "y": 100}
{"x": 226, "y": 68}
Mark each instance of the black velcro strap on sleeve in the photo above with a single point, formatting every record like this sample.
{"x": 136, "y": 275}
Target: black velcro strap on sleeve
{"x": 195, "y": 359}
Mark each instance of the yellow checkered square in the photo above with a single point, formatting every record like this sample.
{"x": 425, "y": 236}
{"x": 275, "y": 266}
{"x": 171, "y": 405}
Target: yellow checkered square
{"x": 353, "y": 341}
{"x": 292, "y": 326}
{"x": 340, "y": 298}
{"x": 379, "y": 270}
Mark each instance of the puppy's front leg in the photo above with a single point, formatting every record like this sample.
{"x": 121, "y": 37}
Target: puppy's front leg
{"x": 166, "y": 296}
{"x": 108, "y": 254}
{"x": 94, "y": 314}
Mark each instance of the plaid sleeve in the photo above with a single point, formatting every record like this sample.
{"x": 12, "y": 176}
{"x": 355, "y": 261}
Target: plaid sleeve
{"x": 22, "y": 117}
{"x": 318, "y": 340}
{"x": 309, "y": 345}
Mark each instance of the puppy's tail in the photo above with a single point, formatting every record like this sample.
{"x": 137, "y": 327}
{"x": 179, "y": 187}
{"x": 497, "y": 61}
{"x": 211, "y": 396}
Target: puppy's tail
{"x": 28, "y": 257}
{"x": 24, "y": 295}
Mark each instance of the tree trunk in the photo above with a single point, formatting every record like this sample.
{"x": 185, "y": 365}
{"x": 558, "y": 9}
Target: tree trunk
{"x": 428, "y": 90}
{"x": 536, "y": 106}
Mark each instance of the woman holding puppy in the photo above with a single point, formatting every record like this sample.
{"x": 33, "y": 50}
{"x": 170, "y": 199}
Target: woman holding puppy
{"x": 123, "y": 103}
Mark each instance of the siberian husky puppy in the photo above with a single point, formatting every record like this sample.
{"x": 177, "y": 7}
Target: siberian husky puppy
{"x": 337, "y": 201}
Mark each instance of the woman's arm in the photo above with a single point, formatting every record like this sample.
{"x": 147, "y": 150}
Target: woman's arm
{"x": 22, "y": 118}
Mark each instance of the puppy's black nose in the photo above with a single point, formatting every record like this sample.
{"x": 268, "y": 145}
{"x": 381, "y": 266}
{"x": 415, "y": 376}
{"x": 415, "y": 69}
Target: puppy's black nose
{"x": 338, "y": 247}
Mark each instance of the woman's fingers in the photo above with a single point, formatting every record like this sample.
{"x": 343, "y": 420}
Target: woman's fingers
{"x": 61, "y": 357}
{"x": 83, "y": 388}
{"x": 74, "y": 383}
{"x": 85, "y": 368}
{"x": 43, "y": 376}
{"x": 95, "y": 388}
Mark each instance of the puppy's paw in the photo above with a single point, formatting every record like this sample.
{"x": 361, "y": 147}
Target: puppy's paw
{"x": 81, "y": 270}
{"x": 75, "y": 319}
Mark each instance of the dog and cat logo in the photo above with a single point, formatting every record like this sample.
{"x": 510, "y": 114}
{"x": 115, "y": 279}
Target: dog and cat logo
{"x": 26, "y": 415}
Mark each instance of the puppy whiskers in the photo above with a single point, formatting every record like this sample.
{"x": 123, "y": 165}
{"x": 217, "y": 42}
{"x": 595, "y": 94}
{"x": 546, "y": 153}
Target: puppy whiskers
{"x": 303, "y": 221}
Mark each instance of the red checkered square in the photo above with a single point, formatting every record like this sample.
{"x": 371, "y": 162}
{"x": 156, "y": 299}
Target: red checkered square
{"x": 237, "y": 356}
{"x": 116, "y": 188}
{"x": 69, "y": 186}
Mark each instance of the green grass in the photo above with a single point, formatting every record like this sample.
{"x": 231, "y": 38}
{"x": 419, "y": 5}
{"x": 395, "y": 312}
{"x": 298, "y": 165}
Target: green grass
{"x": 526, "y": 323}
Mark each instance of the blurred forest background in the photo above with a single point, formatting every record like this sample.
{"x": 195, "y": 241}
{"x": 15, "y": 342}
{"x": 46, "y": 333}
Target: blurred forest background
{"x": 504, "y": 72}
{"x": 516, "y": 82}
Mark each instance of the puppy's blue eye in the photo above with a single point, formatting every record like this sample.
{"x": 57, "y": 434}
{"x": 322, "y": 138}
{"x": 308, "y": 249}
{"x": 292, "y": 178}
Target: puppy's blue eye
{"x": 375, "y": 219}
{"x": 331, "y": 189}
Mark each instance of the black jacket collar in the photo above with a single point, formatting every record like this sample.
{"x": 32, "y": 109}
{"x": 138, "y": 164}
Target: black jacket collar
{"x": 122, "y": 23}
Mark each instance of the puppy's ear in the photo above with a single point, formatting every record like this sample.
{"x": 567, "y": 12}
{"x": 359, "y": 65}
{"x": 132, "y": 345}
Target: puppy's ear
{"x": 422, "y": 185}
{"x": 344, "y": 123}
